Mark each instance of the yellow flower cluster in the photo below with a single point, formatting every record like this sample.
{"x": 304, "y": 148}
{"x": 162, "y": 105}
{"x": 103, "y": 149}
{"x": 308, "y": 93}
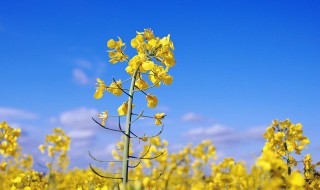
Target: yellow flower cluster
{"x": 116, "y": 54}
{"x": 311, "y": 175}
{"x": 114, "y": 88}
{"x": 8, "y": 140}
{"x": 57, "y": 145}
{"x": 150, "y": 49}
{"x": 285, "y": 138}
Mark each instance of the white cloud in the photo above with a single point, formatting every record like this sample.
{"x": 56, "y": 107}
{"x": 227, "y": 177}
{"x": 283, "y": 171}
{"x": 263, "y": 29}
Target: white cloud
{"x": 53, "y": 119}
{"x": 86, "y": 71}
{"x": 80, "y": 77}
{"x": 81, "y": 129}
{"x": 256, "y": 132}
{"x": 79, "y": 118}
{"x": 192, "y": 117}
{"x": 12, "y": 113}
{"x": 79, "y": 147}
{"x": 110, "y": 147}
{"x": 221, "y": 134}
{"x": 80, "y": 134}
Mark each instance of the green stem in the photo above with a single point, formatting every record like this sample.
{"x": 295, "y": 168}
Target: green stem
{"x": 50, "y": 174}
{"x": 287, "y": 152}
{"x": 125, "y": 160}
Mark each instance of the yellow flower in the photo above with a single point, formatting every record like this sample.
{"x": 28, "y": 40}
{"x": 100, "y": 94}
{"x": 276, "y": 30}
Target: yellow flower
{"x": 147, "y": 65}
{"x": 167, "y": 79}
{"x": 103, "y": 116}
{"x": 159, "y": 117}
{"x": 152, "y": 100}
{"x": 58, "y": 130}
{"x": 148, "y": 34}
{"x": 304, "y": 141}
{"x": 141, "y": 84}
{"x": 17, "y": 180}
{"x": 146, "y": 182}
{"x": 3, "y": 166}
{"x": 138, "y": 42}
{"x": 144, "y": 138}
{"x": 4, "y": 144}
{"x": 117, "y": 53}
{"x": 140, "y": 61}
{"x": 112, "y": 44}
{"x": 16, "y": 132}
{"x": 123, "y": 109}
{"x": 296, "y": 179}
{"x": 269, "y": 133}
{"x": 104, "y": 188}
{"x": 158, "y": 74}
{"x": 50, "y": 151}
{"x": 129, "y": 70}
{"x": 238, "y": 170}
{"x": 41, "y": 148}
{"x": 155, "y": 141}
{"x": 115, "y": 88}
{"x": 101, "y": 87}
{"x": 136, "y": 61}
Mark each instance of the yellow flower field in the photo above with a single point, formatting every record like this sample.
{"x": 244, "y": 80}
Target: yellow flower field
{"x": 194, "y": 167}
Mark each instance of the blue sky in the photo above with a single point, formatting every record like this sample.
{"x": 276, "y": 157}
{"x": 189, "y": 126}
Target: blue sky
{"x": 239, "y": 66}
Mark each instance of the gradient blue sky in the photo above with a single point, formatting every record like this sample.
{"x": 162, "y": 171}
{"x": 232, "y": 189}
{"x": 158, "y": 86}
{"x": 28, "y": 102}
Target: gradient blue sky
{"x": 240, "y": 64}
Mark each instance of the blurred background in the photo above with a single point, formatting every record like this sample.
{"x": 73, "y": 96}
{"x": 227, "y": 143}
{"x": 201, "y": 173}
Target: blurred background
{"x": 240, "y": 64}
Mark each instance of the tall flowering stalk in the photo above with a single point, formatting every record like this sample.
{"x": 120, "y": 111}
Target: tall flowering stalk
{"x": 285, "y": 138}
{"x": 57, "y": 145}
{"x": 150, "y": 51}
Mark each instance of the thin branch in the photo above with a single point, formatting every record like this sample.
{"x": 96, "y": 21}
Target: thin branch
{"x": 147, "y": 151}
{"x": 171, "y": 171}
{"x": 128, "y": 79}
{"x": 116, "y": 88}
{"x": 150, "y": 136}
{"x": 146, "y": 116}
{"x": 147, "y": 74}
{"x": 164, "y": 169}
{"x": 124, "y": 54}
{"x": 115, "y": 115}
{"x": 155, "y": 84}
{"x": 150, "y": 158}
{"x": 105, "y": 127}
{"x": 141, "y": 90}
{"x": 120, "y": 87}
{"x": 138, "y": 117}
{"x": 134, "y": 166}
{"x": 102, "y": 160}
{"x": 108, "y": 177}
{"x": 120, "y": 128}
{"x": 132, "y": 180}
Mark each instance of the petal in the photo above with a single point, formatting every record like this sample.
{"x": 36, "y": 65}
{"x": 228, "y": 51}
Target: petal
{"x": 148, "y": 65}
{"x": 98, "y": 94}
